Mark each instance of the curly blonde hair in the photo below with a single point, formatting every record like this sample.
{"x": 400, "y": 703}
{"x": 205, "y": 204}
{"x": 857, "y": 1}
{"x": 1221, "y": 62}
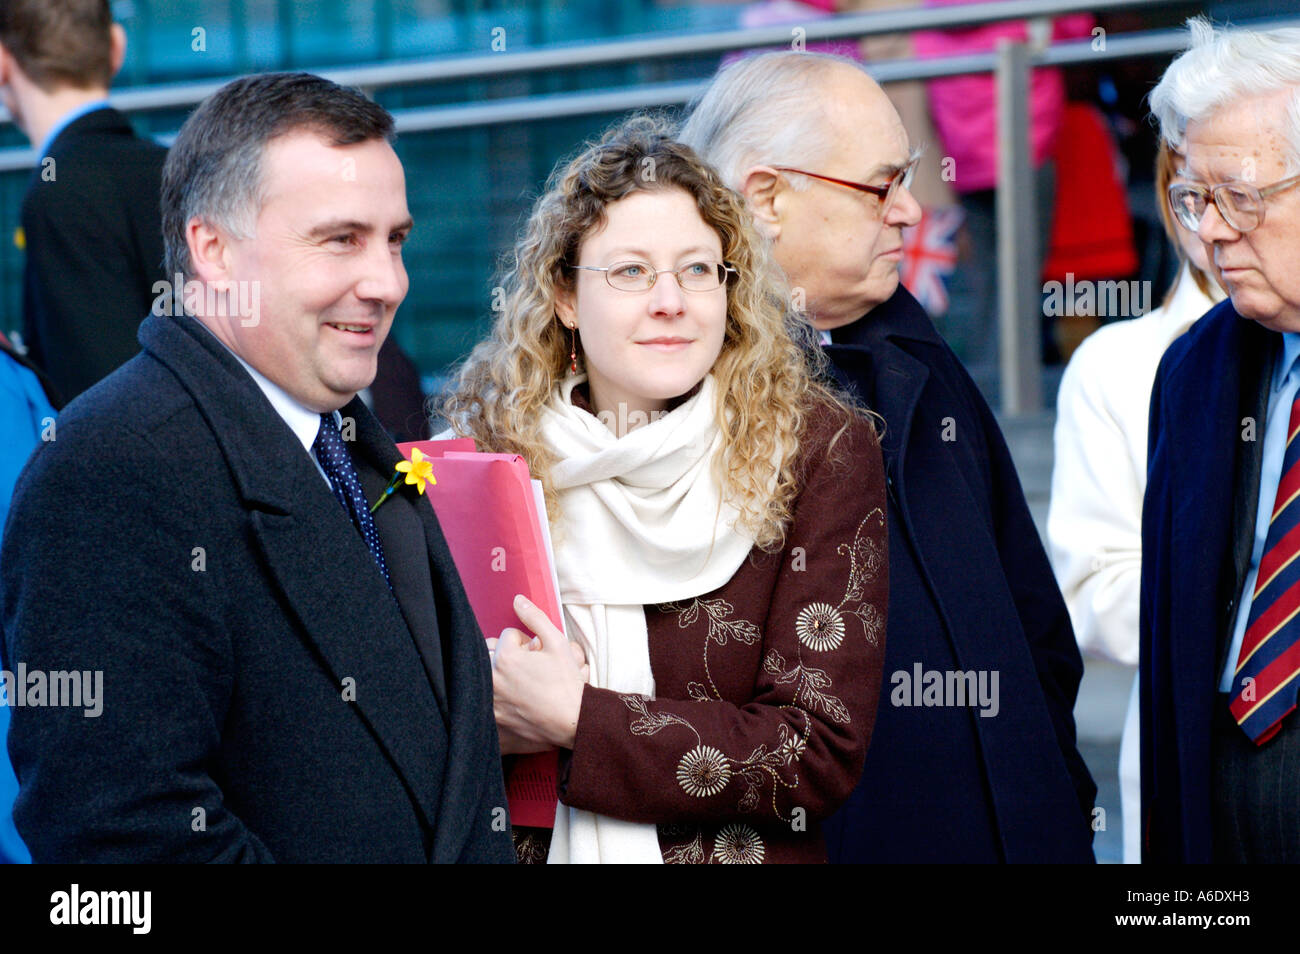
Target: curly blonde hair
{"x": 766, "y": 372}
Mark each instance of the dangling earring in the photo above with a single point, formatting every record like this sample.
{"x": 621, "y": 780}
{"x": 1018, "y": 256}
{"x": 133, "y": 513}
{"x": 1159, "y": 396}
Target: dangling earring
{"x": 573, "y": 349}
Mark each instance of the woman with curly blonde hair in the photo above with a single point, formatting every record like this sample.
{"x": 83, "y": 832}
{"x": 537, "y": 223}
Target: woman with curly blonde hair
{"x": 727, "y": 591}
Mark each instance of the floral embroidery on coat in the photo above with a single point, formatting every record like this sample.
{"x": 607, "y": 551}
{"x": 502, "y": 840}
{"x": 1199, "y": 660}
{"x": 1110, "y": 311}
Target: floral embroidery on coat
{"x": 530, "y": 849}
{"x": 734, "y": 844}
{"x": 705, "y": 771}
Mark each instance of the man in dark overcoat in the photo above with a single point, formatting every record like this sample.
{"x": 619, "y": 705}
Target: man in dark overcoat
{"x": 973, "y": 757}
{"x": 268, "y": 671}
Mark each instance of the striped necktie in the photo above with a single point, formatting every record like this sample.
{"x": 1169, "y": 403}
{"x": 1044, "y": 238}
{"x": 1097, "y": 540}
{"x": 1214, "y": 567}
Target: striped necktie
{"x": 1270, "y": 650}
{"x": 332, "y": 454}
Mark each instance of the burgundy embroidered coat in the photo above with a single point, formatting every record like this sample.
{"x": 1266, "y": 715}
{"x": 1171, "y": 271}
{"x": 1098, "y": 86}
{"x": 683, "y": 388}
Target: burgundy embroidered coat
{"x": 766, "y": 688}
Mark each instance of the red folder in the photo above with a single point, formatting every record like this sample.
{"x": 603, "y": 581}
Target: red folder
{"x": 498, "y": 538}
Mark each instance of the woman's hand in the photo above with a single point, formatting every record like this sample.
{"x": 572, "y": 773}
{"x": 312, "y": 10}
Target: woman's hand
{"x": 536, "y": 684}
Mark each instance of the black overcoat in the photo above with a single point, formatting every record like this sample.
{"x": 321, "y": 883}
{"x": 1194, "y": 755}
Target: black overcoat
{"x": 970, "y": 589}
{"x": 1205, "y": 449}
{"x": 265, "y": 696}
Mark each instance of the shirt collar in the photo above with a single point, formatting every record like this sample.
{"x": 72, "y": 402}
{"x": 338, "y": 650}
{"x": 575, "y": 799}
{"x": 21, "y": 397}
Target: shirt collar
{"x": 1286, "y": 365}
{"x": 302, "y": 420}
{"x": 67, "y": 119}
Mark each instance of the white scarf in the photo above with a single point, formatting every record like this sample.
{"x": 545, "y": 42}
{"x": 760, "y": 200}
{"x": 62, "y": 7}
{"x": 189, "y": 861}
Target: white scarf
{"x": 643, "y": 522}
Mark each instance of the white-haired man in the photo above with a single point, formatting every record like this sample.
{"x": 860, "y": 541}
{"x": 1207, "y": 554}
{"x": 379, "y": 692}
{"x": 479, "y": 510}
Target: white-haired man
{"x": 824, "y": 161}
{"x": 1220, "y": 582}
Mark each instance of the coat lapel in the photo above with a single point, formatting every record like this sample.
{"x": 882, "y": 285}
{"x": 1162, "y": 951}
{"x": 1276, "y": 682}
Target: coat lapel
{"x": 347, "y": 614}
{"x": 446, "y": 634}
{"x": 329, "y": 581}
{"x": 401, "y": 530}
{"x": 885, "y": 375}
{"x": 869, "y": 362}
{"x": 1259, "y": 350}
{"x": 1214, "y": 486}
{"x": 472, "y": 729}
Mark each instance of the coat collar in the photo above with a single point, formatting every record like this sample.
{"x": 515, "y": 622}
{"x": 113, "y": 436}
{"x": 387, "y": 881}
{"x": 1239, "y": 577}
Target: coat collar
{"x": 1216, "y": 375}
{"x": 897, "y": 318}
{"x": 1217, "y": 367}
{"x": 100, "y": 118}
{"x": 240, "y": 415}
{"x": 316, "y": 558}
{"x": 875, "y": 357}
{"x": 69, "y": 119}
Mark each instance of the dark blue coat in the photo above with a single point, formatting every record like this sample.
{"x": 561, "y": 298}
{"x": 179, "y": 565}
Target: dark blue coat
{"x": 970, "y": 589}
{"x": 266, "y": 697}
{"x": 1198, "y": 528}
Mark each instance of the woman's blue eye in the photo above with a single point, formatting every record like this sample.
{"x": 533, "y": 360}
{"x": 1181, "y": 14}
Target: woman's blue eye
{"x": 698, "y": 268}
{"x": 631, "y": 271}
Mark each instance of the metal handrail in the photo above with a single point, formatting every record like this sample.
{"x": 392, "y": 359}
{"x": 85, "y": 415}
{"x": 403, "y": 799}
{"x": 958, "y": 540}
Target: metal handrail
{"x": 1011, "y": 62}
{"x": 640, "y": 49}
{"x": 647, "y": 95}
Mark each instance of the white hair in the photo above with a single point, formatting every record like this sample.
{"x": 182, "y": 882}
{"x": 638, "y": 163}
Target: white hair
{"x": 764, "y": 109}
{"x": 1221, "y": 67}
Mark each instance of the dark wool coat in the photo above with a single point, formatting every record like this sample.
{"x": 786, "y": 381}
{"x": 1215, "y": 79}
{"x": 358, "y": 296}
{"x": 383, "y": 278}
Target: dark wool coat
{"x": 1198, "y": 530}
{"x": 970, "y": 590}
{"x": 266, "y": 697}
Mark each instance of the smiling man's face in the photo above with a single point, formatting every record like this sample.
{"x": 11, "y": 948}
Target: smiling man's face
{"x": 326, "y": 251}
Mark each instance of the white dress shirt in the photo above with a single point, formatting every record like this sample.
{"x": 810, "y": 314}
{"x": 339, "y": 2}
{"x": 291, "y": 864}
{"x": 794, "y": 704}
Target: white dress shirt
{"x": 302, "y": 420}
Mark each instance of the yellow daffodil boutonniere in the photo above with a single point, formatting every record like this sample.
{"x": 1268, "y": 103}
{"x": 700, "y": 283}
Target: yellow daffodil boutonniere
{"x": 418, "y": 470}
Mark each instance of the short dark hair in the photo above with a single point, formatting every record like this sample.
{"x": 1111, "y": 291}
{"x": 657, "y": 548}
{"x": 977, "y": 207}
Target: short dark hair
{"x": 59, "y": 42}
{"x": 214, "y": 168}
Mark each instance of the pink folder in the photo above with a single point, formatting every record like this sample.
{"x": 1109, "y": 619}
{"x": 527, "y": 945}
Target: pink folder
{"x": 497, "y": 535}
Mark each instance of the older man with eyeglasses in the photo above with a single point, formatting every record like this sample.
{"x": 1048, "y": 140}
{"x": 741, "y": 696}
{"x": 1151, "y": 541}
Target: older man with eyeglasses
{"x": 955, "y": 772}
{"x": 1220, "y": 663}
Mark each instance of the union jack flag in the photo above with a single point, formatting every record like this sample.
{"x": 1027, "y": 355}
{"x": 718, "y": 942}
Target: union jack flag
{"x": 930, "y": 254}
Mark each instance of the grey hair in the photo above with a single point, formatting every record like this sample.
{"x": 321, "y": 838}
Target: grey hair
{"x": 764, "y": 109}
{"x": 214, "y": 168}
{"x": 1222, "y": 66}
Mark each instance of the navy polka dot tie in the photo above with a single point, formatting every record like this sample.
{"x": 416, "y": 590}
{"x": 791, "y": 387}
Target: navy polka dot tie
{"x": 334, "y": 459}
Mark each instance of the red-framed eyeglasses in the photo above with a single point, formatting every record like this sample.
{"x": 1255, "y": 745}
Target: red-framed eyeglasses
{"x": 885, "y": 193}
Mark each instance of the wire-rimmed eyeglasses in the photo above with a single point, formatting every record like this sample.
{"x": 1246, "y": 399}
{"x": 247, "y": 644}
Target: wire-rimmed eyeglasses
{"x": 634, "y": 276}
{"x": 1239, "y": 203}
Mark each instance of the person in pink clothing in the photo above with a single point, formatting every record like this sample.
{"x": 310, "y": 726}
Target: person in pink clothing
{"x": 964, "y": 108}
{"x": 964, "y": 112}
{"x": 768, "y": 13}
